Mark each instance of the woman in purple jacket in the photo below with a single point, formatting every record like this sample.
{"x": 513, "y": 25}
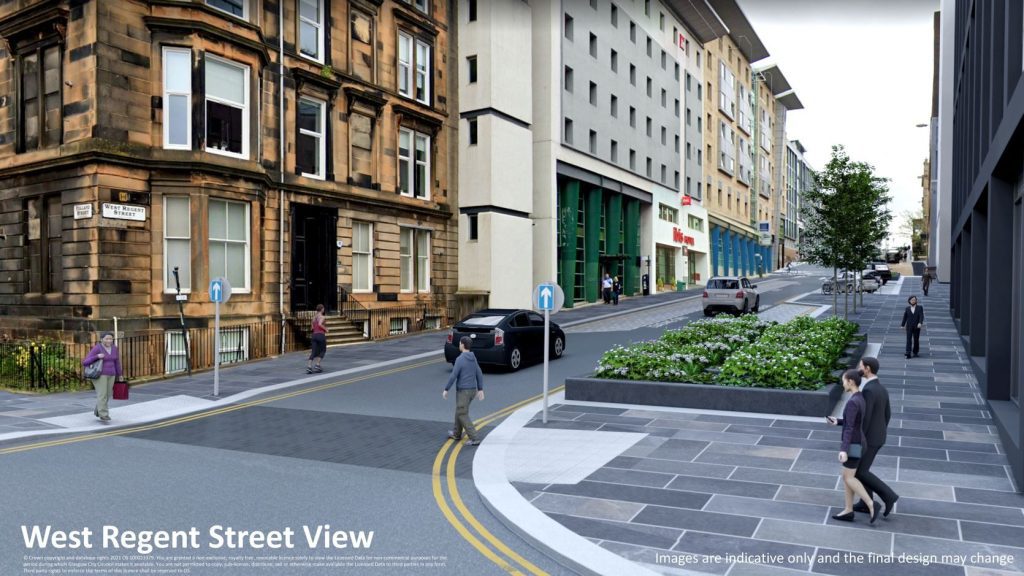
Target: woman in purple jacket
{"x": 853, "y": 439}
{"x": 104, "y": 385}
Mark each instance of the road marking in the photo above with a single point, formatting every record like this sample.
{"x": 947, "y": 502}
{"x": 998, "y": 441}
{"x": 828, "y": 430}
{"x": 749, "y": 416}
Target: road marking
{"x": 207, "y": 414}
{"x": 460, "y": 506}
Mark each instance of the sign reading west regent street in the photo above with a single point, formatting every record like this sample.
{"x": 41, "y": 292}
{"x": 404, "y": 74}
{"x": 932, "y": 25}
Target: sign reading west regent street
{"x": 124, "y": 212}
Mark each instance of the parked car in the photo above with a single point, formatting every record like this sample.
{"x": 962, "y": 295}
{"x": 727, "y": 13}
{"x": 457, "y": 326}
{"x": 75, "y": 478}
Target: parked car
{"x": 883, "y": 269}
{"x": 852, "y": 282}
{"x": 505, "y": 337}
{"x": 730, "y": 294}
{"x": 875, "y": 275}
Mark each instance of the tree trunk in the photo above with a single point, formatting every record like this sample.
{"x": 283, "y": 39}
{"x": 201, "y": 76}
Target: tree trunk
{"x": 846, "y": 302}
{"x": 855, "y": 291}
{"x": 835, "y": 292}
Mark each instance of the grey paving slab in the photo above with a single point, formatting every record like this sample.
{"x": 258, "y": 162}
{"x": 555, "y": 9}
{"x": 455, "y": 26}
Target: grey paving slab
{"x": 952, "y": 467}
{"x": 777, "y": 458}
{"x": 990, "y": 497}
{"x": 638, "y": 494}
{"x": 842, "y": 563}
{"x": 672, "y": 467}
{"x": 631, "y": 477}
{"x": 733, "y": 524}
{"x": 664, "y": 432}
{"x": 752, "y": 421}
{"x": 718, "y": 486}
{"x": 775, "y": 554}
{"x": 598, "y": 508}
{"x": 838, "y": 537}
{"x": 767, "y": 508}
{"x": 655, "y": 536}
{"x": 992, "y": 533}
{"x": 784, "y": 478}
{"x": 612, "y": 419}
{"x": 679, "y": 449}
{"x": 768, "y": 431}
{"x": 945, "y": 444}
{"x": 686, "y": 434}
{"x": 961, "y": 511}
{"x": 690, "y": 424}
{"x": 981, "y": 437}
{"x": 978, "y": 458}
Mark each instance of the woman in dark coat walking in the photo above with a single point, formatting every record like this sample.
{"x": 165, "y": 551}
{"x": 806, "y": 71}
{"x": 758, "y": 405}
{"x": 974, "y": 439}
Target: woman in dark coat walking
{"x": 852, "y": 447}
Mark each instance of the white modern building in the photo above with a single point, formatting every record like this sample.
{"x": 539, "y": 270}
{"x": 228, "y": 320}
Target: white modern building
{"x": 572, "y": 136}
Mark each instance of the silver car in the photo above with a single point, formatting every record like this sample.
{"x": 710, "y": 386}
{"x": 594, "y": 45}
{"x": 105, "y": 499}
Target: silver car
{"x": 730, "y": 294}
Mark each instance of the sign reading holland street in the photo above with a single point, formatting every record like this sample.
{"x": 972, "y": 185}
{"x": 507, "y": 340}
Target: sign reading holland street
{"x": 124, "y": 212}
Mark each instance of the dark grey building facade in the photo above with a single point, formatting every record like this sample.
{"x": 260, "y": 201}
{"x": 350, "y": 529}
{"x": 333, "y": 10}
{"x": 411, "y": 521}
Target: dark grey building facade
{"x": 987, "y": 227}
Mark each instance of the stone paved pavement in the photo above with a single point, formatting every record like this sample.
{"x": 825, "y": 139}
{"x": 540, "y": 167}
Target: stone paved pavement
{"x": 763, "y": 489}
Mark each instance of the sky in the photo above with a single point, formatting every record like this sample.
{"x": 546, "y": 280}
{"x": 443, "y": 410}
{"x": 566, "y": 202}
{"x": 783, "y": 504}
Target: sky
{"x": 863, "y": 71}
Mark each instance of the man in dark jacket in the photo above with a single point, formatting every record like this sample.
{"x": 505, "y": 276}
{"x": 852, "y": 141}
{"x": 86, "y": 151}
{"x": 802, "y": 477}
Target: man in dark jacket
{"x": 876, "y": 423}
{"x": 913, "y": 321}
{"x": 469, "y": 383}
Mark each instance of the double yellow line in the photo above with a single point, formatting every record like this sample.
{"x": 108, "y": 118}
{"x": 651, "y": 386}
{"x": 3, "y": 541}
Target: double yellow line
{"x": 510, "y": 562}
{"x": 207, "y": 414}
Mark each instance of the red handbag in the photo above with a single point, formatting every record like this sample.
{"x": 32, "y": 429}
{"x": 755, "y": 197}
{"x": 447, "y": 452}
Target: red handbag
{"x": 120, "y": 390}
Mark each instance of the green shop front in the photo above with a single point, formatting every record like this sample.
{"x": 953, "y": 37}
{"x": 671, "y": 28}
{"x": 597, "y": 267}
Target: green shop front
{"x": 599, "y": 232}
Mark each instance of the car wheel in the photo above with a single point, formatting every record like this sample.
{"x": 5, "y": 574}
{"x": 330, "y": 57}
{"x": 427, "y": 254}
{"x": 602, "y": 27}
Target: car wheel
{"x": 757, "y": 305}
{"x": 558, "y": 348}
{"x": 515, "y": 359}
{"x": 708, "y": 312}
{"x": 746, "y": 307}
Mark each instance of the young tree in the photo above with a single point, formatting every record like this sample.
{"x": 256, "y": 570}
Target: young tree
{"x": 845, "y": 214}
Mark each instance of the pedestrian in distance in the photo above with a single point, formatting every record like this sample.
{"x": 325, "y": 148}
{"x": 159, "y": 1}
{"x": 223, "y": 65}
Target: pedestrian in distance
{"x": 606, "y": 288}
{"x": 926, "y": 282}
{"x": 616, "y": 290}
{"x": 468, "y": 379}
{"x": 105, "y": 351}
{"x": 913, "y": 321}
{"x": 877, "y": 414}
{"x": 852, "y": 448}
{"x": 319, "y": 341}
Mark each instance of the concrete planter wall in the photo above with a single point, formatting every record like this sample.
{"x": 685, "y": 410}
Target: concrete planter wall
{"x": 714, "y": 397}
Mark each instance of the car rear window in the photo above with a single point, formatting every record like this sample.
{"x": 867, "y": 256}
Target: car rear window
{"x": 722, "y": 284}
{"x": 483, "y": 320}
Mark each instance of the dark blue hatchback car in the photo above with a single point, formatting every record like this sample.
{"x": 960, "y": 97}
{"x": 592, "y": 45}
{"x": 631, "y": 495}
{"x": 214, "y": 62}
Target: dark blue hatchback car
{"x": 505, "y": 337}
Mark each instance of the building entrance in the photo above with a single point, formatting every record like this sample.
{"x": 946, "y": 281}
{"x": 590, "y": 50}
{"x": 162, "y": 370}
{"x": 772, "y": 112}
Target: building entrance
{"x": 314, "y": 257}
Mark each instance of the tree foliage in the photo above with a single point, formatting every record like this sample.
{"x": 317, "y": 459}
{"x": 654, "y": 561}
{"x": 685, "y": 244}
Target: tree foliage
{"x": 846, "y": 214}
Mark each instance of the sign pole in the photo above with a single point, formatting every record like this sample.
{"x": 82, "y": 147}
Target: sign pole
{"x": 216, "y": 349}
{"x": 547, "y": 359}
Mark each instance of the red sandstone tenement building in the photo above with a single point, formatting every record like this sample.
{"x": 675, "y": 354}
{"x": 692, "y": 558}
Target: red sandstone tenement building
{"x": 139, "y": 136}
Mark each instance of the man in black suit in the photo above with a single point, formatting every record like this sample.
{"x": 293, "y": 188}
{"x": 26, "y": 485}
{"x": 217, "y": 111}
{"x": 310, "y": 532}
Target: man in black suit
{"x": 913, "y": 321}
{"x": 876, "y": 423}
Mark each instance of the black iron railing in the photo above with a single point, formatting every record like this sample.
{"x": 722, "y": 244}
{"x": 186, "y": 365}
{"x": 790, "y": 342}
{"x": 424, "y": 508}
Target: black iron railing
{"x": 49, "y": 364}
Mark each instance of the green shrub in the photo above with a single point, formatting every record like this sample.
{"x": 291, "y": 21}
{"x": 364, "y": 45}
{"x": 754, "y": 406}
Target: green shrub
{"x": 62, "y": 371}
{"x": 799, "y": 354}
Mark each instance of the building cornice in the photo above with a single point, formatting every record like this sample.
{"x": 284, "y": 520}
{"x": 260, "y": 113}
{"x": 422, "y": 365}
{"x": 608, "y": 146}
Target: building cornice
{"x": 193, "y": 26}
